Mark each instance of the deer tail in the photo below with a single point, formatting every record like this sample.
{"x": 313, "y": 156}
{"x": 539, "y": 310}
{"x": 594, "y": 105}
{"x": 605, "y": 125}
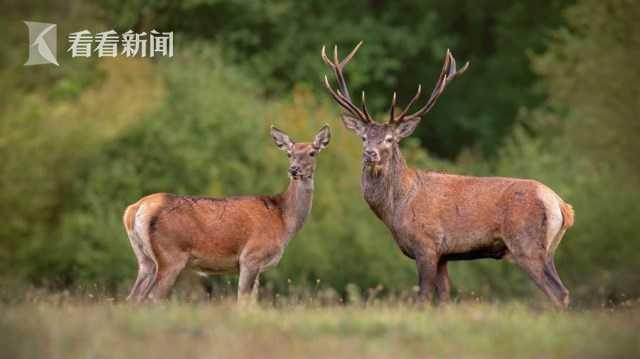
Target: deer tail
{"x": 129, "y": 217}
{"x": 567, "y": 215}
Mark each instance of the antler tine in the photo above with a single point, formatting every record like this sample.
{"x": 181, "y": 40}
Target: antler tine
{"x": 392, "y": 109}
{"x": 406, "y": 109}
{"x": 364, "y": 106}
{"x": 341, "y": 94}
{"x": 447, "y": 74}
{"x": 325, "y": 58}
{"x": 339, "y": 66}
{"x": 342, "y": 83}
{"x": 344, "y": 102}
{"x": 351, "y": 54}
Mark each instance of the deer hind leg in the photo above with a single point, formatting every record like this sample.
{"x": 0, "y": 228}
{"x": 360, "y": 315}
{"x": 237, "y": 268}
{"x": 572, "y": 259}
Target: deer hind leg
{"x": 146, "y": 269}
{"x": 541, "y": 270}
{"x": 442, "y": 282}
{"x": 149, "y": 274}
{"x": 554, "y": 282}
{"x": 170, "y": 265}
{"x": 146, "y": 264}
{"x": 551, "y": 274}
{"x": 553, "y": 236}
{"x": 533, "y": 221}
{"x": 529, "y": 253}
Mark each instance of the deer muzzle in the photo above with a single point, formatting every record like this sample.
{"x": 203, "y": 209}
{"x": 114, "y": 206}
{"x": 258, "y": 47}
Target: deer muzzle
{"x": 371, "y": 156}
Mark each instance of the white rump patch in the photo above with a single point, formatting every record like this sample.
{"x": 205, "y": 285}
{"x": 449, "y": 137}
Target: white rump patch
{"x": 554, "y": 216}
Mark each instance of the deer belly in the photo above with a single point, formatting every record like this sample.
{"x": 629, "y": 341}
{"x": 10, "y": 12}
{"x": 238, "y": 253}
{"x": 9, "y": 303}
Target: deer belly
{"x": 221, "y": 265}
{"x": 495, "y": 248}
{"x": 272, "y": 261}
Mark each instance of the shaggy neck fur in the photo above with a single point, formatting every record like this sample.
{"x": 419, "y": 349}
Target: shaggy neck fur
{"x": 296, "y": 204}
{"x": 387, "y": 186}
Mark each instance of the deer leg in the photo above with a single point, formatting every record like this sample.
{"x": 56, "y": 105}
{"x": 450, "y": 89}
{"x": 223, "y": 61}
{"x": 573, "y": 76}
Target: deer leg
{"x": 256, "y": 288}
{"x": 205, "y": 281}
{"x": 427, "y": 273}
{"x": 540, "y": 273}
{"x": 553, "y": 280}
{"x": 146, "y": 267}
{"x": 166, "y": 277}
{"x": 442, "y": 282}
{"x": 145, "y": 285}
{"x": 249, "y": 274}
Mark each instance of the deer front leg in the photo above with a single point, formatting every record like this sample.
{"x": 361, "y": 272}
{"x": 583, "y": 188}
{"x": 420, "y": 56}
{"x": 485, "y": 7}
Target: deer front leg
{"x": 427, "y": 272}
{"x": 256, "y": 287}
{"x": 248, "y": 282}
{"x": 442, "y": 282}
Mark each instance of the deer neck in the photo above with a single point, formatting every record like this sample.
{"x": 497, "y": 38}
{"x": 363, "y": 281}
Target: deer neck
{"x": 387, "y": 188}
{"x": 296, "y": 204}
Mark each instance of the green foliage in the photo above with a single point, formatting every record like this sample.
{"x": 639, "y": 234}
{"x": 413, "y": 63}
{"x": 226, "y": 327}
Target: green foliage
{"x": 279, "y": 42}
{"x": 80, "y": 142}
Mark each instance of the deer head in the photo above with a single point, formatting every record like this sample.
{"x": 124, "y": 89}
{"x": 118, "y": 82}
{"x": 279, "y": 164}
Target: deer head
{"x": 302, "y": 156}
{"x": 380, "y": 139}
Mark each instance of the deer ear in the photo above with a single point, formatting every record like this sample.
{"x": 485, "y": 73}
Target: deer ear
{"x": 406, "y": 128}
{"x": 322, "y": 138}
{"x": 353, "y": 124}
{"x": 281, "y": 139}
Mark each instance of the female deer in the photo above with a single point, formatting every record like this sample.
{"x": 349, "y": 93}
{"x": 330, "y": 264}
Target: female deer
{"x": 169, "y": 233}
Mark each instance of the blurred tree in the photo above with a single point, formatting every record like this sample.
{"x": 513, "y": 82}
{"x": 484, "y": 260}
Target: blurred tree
{"x": 75, "y": 149}
{"x": 279, "y": 43}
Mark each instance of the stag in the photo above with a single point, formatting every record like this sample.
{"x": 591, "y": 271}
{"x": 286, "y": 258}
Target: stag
{"x": 248, "y": 234}
{"x": 435, "y": 217}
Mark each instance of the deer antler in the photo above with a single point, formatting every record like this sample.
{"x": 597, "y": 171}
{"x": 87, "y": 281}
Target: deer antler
{"x": 341, "y": 95}
{"x": 447, "y": 74}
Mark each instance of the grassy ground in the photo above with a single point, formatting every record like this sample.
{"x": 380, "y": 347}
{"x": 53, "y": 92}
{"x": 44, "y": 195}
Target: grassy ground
{"x": 62, "y": 327}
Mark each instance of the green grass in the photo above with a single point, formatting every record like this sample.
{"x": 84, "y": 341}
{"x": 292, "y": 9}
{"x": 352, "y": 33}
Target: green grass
{"x": 56, "y": 326}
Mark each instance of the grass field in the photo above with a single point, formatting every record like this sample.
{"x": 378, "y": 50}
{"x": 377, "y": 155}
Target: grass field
{"x": 58, "y": 326}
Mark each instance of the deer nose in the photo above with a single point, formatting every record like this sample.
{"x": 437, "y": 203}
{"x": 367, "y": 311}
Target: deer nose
{"x": 371, "y": 155}
{"x": 294, "y": 170}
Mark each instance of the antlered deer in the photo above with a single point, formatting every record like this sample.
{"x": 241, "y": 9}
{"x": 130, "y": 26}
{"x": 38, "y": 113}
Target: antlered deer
{"x": 221, "y": 235}
{"x": 436, "y": 218}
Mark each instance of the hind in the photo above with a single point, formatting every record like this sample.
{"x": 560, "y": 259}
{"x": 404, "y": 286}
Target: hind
{"x": 139, "y": 240}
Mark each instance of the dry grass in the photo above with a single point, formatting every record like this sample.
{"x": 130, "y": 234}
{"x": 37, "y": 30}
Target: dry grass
{"x": 57, "y": 326}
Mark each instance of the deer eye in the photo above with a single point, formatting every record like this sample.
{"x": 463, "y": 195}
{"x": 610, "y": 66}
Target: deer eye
{"x": 389, "y": 139}
{"x": 312, "y": 153}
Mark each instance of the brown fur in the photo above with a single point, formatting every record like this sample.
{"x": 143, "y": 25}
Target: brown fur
{"x": 169, "y": 233}
{"x": 435, "y": 217}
